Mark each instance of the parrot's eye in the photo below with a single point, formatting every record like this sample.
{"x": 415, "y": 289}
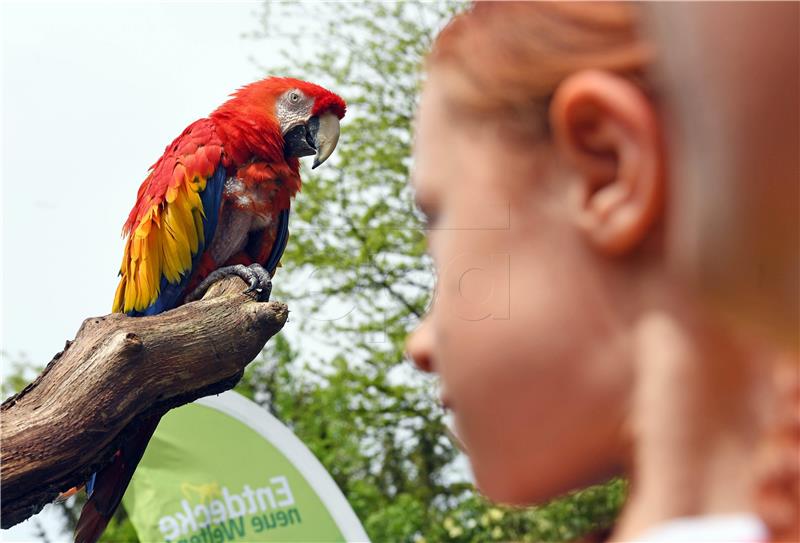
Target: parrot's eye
{"x": 294, "y": 97}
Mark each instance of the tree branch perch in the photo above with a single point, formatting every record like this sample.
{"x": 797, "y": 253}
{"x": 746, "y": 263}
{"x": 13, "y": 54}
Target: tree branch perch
{"x": 69, "y": 421}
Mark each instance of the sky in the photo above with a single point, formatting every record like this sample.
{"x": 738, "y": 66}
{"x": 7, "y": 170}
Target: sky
{"x": 91, "y": 95}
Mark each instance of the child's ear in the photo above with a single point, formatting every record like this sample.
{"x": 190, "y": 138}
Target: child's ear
{"x": 607, "y": 130}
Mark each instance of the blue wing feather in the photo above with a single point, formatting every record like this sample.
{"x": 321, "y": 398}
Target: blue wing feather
{"x": 280, "y": 242}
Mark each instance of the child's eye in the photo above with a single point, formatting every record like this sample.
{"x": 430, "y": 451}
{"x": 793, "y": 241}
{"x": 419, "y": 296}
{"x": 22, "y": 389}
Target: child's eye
{"x": 429, "y": 214}
{"x": 430, "y": 220}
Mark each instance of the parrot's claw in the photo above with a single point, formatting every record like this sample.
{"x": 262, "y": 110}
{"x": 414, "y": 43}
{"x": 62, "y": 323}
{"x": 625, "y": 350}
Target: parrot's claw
{"x": 262, "y": 284}
{"x": 254, "y": 275}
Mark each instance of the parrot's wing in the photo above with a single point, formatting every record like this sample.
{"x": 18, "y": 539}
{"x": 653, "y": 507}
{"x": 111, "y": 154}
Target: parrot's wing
{"x": 174, "y": 219}
{"x": 279, "y": 245}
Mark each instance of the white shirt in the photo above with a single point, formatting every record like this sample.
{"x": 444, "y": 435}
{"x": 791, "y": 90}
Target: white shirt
{"x": 733, "y": 528}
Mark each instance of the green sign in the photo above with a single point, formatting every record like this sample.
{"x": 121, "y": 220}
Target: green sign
{"x": 223, "y": 469}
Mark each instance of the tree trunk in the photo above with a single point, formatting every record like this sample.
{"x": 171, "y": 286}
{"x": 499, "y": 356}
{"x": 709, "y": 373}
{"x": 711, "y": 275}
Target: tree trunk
{"x": 69, "y": 421}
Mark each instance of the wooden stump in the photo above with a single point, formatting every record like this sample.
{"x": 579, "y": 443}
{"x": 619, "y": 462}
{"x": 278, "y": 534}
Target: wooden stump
{"x": 69, "y": 421}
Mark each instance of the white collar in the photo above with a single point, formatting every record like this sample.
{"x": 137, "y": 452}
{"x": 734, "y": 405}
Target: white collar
{"x": 730, "y": 528}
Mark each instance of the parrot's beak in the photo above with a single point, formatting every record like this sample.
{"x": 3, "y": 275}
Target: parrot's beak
{"x": 325, "y": 136}
{"x": 316, "y": 137}
{"x": 298, "y": 141}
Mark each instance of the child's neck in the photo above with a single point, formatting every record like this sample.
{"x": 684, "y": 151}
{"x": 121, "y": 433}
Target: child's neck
{"x": 698, "y": 420}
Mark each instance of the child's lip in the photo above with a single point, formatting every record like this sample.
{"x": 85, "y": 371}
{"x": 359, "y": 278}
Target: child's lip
{"x": 445, "y": 402}
{"x": 450, "y": 432}
{"x": 450, "y": 424}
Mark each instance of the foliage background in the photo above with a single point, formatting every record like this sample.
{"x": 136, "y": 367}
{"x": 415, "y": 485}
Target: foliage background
{"x": 357, "y": 279}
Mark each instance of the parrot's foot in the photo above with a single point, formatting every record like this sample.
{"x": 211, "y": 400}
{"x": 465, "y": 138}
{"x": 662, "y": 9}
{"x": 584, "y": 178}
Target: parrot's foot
{"x": 254, "y": 275}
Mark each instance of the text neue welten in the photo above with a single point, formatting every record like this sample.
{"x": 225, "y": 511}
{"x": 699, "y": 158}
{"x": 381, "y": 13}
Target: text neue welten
{"x": 219, "y": 520}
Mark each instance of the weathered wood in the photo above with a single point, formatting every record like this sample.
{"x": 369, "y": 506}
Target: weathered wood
{"x": 118, "y": 369}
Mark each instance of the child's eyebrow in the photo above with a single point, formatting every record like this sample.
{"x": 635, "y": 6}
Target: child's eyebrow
{"x": 426, "y": 181}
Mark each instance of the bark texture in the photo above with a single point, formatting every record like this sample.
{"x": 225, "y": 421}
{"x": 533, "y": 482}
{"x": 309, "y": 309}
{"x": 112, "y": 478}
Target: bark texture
{"x": 118, "y": 369}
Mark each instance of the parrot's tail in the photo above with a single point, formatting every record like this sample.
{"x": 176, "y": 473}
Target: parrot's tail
{"x": 110, "y": 484}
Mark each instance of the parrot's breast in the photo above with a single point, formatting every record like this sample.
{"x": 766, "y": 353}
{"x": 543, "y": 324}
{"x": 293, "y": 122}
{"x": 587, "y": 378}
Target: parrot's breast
{"x": 255, "y": 199}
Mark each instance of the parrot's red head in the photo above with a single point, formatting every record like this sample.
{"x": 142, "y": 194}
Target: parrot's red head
{"x": 302, "y": 117}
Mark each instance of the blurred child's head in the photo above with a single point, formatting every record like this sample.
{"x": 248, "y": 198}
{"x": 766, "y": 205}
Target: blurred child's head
{"x": 539, "y": 164}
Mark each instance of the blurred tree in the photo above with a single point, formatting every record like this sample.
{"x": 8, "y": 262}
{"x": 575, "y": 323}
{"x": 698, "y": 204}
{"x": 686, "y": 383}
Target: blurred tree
{"x": 18, "y": 371}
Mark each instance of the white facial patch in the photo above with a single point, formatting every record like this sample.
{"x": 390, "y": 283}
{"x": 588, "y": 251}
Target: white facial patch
{"x": 293, "y": 108}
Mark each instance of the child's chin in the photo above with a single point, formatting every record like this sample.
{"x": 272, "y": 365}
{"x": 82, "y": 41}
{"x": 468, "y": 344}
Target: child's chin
{"x": 503, "y": 485}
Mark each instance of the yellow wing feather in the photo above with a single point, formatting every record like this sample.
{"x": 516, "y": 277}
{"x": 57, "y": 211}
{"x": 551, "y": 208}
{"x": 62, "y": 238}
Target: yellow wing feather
{"x": 164, "y": 242}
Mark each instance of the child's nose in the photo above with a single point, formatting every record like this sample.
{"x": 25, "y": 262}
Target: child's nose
{"x": 419, "y": 346}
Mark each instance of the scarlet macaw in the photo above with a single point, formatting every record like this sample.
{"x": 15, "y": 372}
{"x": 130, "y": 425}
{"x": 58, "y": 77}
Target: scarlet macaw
{"x": 216, "y": 203}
